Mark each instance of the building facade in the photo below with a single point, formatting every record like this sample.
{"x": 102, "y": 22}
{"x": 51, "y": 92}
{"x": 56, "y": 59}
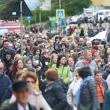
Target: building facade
{"x": 101, "y": 3}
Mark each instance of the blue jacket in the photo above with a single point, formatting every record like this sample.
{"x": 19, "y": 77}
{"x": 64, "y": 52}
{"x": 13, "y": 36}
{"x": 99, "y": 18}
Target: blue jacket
{"x": 5, "y": 88}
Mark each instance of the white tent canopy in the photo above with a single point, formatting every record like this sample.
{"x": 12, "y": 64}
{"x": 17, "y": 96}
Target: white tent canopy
{"x": 100, "y": 36}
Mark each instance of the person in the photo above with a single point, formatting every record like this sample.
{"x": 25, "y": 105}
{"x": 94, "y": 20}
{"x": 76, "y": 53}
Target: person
{"x": 5, "y": 85}
{"x": 53, "y": 60}
{"x": 54, "y": 92}
{"x": 71, "y": 65}
{"x": 63, "y": 69}
{"x": 8, "y": 59}
{"x": 36, "y": 97}
{"x": 107, "y": 101}
{"x": 17, "y": 66}
{"x": 4, "y": 49}
{"x": 27, "y": 62}
{"x": 72, "y": 91}
{"x": 101, "y": 86}
{"x": 87, "y": 61}
{"x": 108, "y": 81}
{"x": 106, "y": 71}
{"x": 87, "y": 94}
{"x": 21, "y": 92}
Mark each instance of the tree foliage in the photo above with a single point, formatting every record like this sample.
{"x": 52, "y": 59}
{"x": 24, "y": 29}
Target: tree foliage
{"x": 72, "y": 7}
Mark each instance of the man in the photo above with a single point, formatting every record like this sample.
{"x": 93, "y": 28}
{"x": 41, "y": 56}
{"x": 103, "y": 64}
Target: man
{"x": 102, "y": 88}
{"x": 5, "y": 85}
{"x": 87, "y": 61}
{"x": 71, "y": 65}
{"x": 21, "y": 92}
{"x": 4, "y": 49}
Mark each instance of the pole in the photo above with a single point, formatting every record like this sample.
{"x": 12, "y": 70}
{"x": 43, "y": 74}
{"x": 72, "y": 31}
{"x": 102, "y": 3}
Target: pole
{"x": 21, "y": 12}
{"x": 60, "y": 4}
{"x": 21, "y": 24}
{"x": 40, "y": 18}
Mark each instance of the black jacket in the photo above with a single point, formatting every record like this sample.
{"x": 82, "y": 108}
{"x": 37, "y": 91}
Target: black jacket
{"x": 14, "y": 107}
{"x": 56, "y": 97}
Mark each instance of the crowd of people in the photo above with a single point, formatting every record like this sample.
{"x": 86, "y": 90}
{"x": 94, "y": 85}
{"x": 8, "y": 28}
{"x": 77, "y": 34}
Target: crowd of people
{"x": 60, "y": 72}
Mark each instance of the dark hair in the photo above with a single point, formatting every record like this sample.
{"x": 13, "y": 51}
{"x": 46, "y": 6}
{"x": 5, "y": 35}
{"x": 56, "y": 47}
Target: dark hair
{"x": 84, "y": 72}
{"x": 51, "y": 74}
{"x": 59, "y": 59}
{"x": 14, "y": 69}
{"x": 5, "y": 41}
{"x": 96, "y": 72}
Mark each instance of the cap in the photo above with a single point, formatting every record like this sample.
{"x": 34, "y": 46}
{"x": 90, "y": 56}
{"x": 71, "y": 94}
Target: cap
{"x": 20, "y": 86}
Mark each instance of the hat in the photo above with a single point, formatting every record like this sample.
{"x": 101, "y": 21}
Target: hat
{"x": 20, "y": 86}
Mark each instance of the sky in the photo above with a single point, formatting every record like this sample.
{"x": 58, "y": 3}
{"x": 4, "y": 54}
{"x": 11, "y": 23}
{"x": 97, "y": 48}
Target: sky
{"x": 33, "y": 4}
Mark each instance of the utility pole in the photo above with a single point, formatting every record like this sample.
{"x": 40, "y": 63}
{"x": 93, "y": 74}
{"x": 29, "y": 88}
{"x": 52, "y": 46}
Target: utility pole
{"x": 21, "y": 12}
{"x": 40, "y": 18}
{"x": 60, "y": 6}
{"x": 21, "y": 24}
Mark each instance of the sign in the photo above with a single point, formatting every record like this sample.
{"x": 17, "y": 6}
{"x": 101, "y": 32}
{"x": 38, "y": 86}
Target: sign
{"x": 11, "y": 26}
{"x": 14, "y": 13}
{"x": 60, "y": 13}
{"x": 61, "y": 22}
{"x": 29, "y": 18}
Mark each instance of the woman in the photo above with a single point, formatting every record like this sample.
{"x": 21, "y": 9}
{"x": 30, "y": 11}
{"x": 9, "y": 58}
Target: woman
{"x": 53, "y": 60}
{"x": 72, "y": 91}
{"x": 36, "y": 98}
{"x": 87, "y": 94}
{"x": 102, "y": 88}
{"x": 63, "y": 69}
{"x": 17, "y": 66}
{"x": 54, "y": 92}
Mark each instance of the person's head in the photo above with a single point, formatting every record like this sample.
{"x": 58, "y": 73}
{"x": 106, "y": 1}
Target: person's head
{"x": 28, "y": 63}
{"x": 88, "y": 55}
{"x": 108, "y": 51}
{"x": 8, "y": 55}
{"x": 18, "y": 65}
{"x": 84, "y": 72}
{"x": 54, "y": 58}
{"x": 61, "y": 60}
{"x": 1, "y": 68}
{"x": 76, "y": 76}
{"x": 6, "y": 44}
{"x": 30, "y": 78}
{"x": 17, "y": 57}
{"x": 70, "y": 61}
{"x": 98, "y": 76}
{"x": 20, "y": 74}
{"x": 21, "y": 92}
{"x": 51, "y": 74}
{"x": 81, "y": 41}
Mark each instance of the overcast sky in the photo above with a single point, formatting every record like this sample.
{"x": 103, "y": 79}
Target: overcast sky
{"x": 33, "y": 4}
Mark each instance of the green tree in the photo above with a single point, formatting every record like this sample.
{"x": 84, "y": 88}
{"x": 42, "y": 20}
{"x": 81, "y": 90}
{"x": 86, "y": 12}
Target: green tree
{"x": 72, "y": 7}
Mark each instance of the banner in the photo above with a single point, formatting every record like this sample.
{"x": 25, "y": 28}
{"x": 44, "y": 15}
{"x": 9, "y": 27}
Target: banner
{"x": 11, "y": 26}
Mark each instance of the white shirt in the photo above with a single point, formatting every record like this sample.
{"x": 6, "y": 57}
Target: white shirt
{"x": 20, "y": 107}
